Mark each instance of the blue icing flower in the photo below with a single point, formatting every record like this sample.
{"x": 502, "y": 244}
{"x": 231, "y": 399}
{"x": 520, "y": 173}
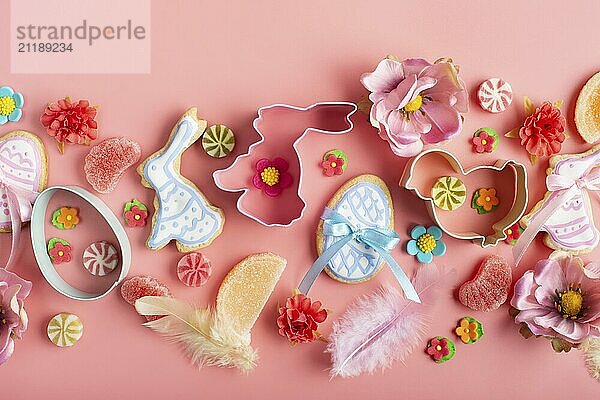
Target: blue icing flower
{"x": 11, "y": 104}
{"x": 425, "y": 243}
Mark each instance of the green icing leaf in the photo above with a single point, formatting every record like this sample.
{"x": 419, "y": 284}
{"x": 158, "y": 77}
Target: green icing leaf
{"x": 52, "y": 242}
{"x": 135, "y": 202}
{"x": 339, "y": 154}
{"x": 55, "y": 222}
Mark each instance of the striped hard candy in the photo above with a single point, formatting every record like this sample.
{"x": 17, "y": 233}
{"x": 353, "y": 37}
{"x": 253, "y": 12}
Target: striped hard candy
{"x": 448, "y": 193}
{"x": 218, "y": 141}
{"x": 65, "y": 329}
{"x": 194, "y": 269}
{"x": 100, "y": 258}
{"x": 495, "y": 95}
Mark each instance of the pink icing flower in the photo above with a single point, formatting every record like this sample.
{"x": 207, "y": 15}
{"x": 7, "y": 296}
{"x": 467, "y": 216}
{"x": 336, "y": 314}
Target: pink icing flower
{"x": 333, "y": 165}
{"x": 13, "y": 318}
{"x": 136, "y": 216}
{"x": 483, "y": 143}
{"x": 60, "y": 253}
{"x": 415, "y": 102}
{"x": 271, "y": 176}
{"x": 558, "y": 300}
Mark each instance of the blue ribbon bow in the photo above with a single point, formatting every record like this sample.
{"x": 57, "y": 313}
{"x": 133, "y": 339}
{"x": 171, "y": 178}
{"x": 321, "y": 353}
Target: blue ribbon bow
{"x": 381, "y": 240}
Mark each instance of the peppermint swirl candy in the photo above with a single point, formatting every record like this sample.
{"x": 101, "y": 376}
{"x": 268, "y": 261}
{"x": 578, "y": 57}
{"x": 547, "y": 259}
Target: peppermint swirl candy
{"x": 218, "y": 141}
{"x": 194, "y": 269}
{"x": 448, "y": 193}
{"x": 65, "y": 329}
{"x": 495, "y": 95}
{"x": 100, "y": 258}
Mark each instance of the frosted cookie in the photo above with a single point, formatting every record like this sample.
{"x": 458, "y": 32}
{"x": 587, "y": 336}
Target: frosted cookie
{"x": 448, "y": 193}
{"x": 364, "y": 201}
{"x": 108, "y": 160}
{"x": 182, "y": 212}
{"x": 194, "y": 269}
{"x": 218, "y": 141}
{"x": 587, "y": 110}
{"x": 100, "y": 258}
{"x": 495, "y": 95}
{"x": 23, "y": 167}
{"x": 64, "y": 329}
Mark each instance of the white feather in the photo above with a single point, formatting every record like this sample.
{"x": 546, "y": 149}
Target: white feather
{"x": 206, "y": 339}
{"x": 591, "y": 348}
{"x": 382, "y": 327}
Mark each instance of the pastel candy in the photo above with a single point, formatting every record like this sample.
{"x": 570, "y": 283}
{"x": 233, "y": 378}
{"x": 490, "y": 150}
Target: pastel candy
{"x": 100, "y": 258}
{"x": 495, "y": 95}
{"x": 194, "y": 269}
{"x": 218, "y": 141}
{"x": 448, "y": 193}
{"x": 108, "y": 160}
{"x": 488, "y": 290}
{"x": 65, "y": 329}
{"x": 22, "y": 165}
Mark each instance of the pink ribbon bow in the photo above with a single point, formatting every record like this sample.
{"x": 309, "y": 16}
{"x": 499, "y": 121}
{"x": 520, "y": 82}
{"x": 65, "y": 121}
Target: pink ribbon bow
{"x": 15, "y": 196}
{"x": 564, "y": 188}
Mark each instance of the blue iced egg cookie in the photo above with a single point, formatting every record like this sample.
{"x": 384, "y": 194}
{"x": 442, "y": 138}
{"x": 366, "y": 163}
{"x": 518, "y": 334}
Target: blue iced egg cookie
{"x": 365, "y": 202}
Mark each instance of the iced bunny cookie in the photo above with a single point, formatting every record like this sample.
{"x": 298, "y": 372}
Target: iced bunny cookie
{"x": 182, "y": 211}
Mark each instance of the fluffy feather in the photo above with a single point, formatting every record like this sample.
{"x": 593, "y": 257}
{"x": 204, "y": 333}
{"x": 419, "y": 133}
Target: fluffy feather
{"x": 206, "y": 339}
{"x": 382, "y": 327}
{"x": 591, "y": 348}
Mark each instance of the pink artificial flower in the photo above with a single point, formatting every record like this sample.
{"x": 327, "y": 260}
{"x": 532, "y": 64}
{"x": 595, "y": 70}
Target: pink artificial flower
{"x": 543, "y": 132}
{"x": 415, "y": 102}
{"x": 483, "y": 143}
{"x": 13, "y": 318}
{"x": 271, "y": 176}
{"x": 557, "y": 299}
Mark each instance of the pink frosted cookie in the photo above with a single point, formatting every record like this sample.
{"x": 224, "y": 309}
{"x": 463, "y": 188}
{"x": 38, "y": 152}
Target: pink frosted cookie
{"x": 140, "y": 286}
{"x": 488, "y": 290}
{"x": 100, "y": 258}
{"x": 495, "y": 95}
{"x": 107, "y": 161}
{"x": 194, "y": 269}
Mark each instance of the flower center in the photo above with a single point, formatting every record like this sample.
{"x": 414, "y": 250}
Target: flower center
{"x": 2, "y": 313}
{"x": 69, "y": 217}
{"x": 483, "y": 142}
{"x": 487, "y": 198}
{"x": 7, "y": 105}
{"x": 61, "y": 253}
{"x": 466, "y": 330}
{"x": 509, "y": 231}
{"x": 334, "y": 164}
{"x": 426, "y": 243}
{"x": 414, "y": 105}
{"x": 270, "y": 176}
{"x": 137, "y": 217}
{"x": 570, "y": 302}
{"x": 438, "y": 347}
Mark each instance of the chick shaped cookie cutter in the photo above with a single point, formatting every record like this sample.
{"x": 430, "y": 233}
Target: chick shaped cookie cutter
{"x": 281, "y": 128}
{"x": 38, "y": 241}
{"x": 509, "y": 177}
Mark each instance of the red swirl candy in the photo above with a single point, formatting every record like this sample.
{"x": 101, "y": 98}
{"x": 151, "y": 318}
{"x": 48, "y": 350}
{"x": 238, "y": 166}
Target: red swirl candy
{"x": 194, "y": 269}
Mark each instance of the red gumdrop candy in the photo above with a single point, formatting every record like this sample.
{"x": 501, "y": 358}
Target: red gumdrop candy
{"x": 140, "y": 286}
{"x": 107, "y": 161}
{"x": 488, "y": 290}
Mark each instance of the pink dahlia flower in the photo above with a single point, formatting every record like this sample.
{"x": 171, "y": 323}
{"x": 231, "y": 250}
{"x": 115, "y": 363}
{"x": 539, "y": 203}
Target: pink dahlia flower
{"x": 415, "y": 102}
{"x": 557, "y": 299}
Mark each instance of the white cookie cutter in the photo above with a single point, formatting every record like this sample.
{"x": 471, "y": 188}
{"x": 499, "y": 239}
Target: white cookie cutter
{"x": 240, "y": 206}
{"x": 38, "y": 241}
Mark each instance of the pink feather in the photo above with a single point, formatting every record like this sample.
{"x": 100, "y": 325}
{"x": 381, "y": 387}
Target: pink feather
{"x": 384, "y": 326}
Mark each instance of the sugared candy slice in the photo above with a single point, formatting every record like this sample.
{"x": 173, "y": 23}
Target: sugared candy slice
{"x": 194, "y": 269}
{"x": 448, "y": 193}
{"x": 488, "y": 290}
{"x": 107, "y": 161}
{"x": 495, "y": 95}
{"x": 140, "y": 286}
{"x": 65, "y": 329}
{"x": 100, "y": 258}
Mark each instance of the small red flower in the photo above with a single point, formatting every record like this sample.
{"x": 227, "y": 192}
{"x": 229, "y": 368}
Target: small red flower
{"x": 60, "y": 253}
{"x": 136, "y": 216}
{"x": 513, "y": 233}
{"x": 543, "y": 131}
{"x": 299, "y": 318}
{"x": 483, "y": 143}
{"x": 72, "y": 123}
{"x": 333, "y": 165}
{"x": 271, "y": 176}
{"x": 438, "y": 348}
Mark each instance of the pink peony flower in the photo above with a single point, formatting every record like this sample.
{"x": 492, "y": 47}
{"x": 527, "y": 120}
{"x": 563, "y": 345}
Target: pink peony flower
{"x": 13, "y": 318}
{"x": 415, "y": 102}
{"x": 543, "y": 132}
{"x": 557, "y": 299}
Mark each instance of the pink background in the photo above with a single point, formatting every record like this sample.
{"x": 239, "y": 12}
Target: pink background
{"x": 230, "y": 60}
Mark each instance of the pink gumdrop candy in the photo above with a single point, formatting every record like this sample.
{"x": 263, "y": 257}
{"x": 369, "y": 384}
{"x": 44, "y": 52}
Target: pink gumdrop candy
{"x": 108, "y": 160}
{"x": 488, "y": 290}
{"x": 194, "y": 269}
{"x": 140, "y": 286}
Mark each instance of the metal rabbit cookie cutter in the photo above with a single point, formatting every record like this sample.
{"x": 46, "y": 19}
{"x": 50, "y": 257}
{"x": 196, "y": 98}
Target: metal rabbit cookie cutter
{"x": 509, "y": 178}
{"x": 281, "y": 128}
